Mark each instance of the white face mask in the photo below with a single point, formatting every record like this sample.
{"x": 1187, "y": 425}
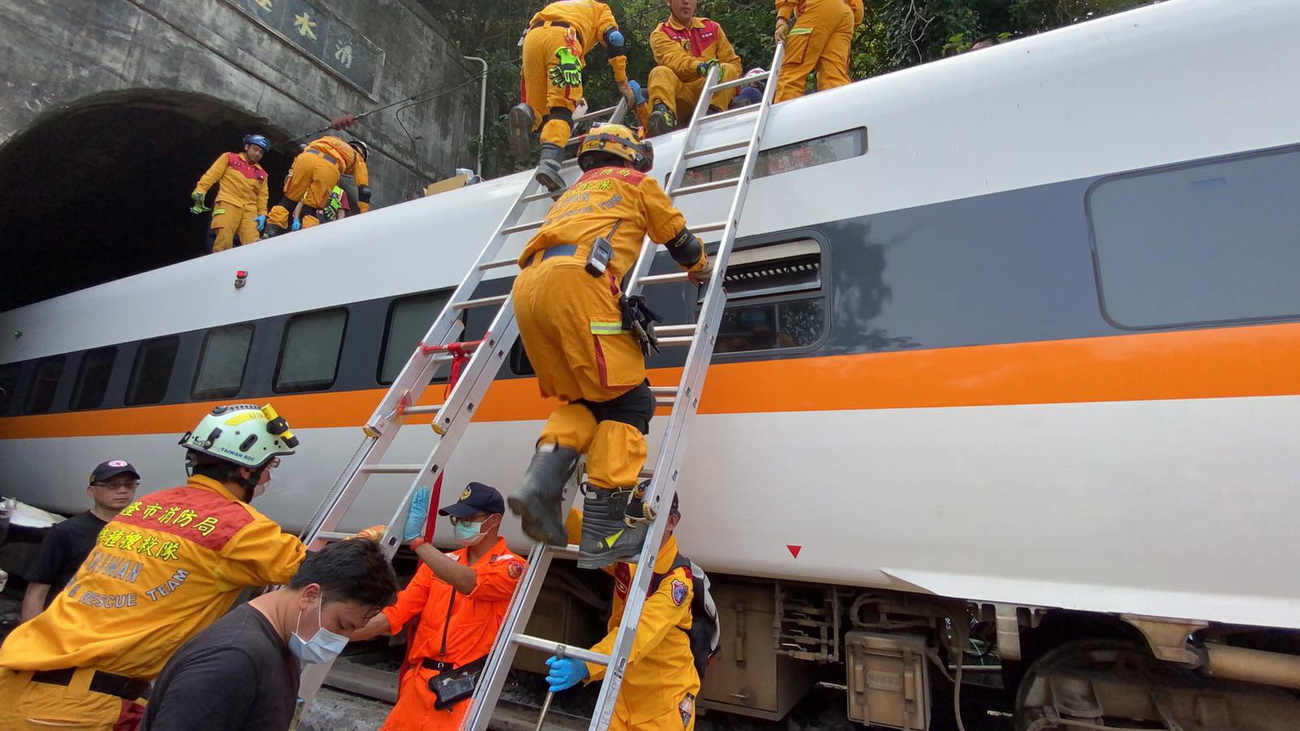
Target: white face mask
{"x": 323, "y": 646}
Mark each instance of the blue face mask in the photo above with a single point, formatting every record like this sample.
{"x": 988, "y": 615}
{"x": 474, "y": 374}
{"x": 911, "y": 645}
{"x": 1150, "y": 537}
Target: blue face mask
{"x": 468, "y": 534}
{"x": 323, "y": 646}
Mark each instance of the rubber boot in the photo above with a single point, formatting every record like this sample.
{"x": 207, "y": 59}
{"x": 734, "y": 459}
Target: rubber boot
{"x": 541, "y": 500}
{"x": 548, "y": 168}
{"x": 606, "y": 538}
{"x": 661, "y": 121}
{"x": 520, "y": 121}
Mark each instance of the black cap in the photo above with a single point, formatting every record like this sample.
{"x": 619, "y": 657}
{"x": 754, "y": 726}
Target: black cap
{"x": 113, "y": 468}
{"x": 477, "y": 498}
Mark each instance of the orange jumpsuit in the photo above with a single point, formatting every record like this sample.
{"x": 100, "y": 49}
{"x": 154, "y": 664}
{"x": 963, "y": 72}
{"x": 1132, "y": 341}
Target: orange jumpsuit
{"x": 578, "y": 25}
{"x": 454, "y": 628}
{"x": 241, "y": 198}
{"x": 314, "y": 174}
{"x": 570, "y": 321}
{"x": 679, "y": 51}
{"x": 819, "y": 41}
{"x": 168, "y": 565}
{"x": 660, "y": 685}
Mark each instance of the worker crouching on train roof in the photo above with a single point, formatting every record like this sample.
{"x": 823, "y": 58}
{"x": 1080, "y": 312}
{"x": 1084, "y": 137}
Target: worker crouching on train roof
{"x": 661, "y": 682}
{"x": 170, "y": 564}
{"x": 452, "y": 608}
{"x": 314, "y": 174}
{"x": 240, "y": 207}
{"x": 572, "y": 320}
{"x": 686, "y": 48}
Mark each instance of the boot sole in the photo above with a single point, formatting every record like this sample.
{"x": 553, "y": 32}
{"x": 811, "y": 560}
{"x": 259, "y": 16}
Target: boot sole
{"x": 534, "y": 527}
{"x": 521, "y": 130}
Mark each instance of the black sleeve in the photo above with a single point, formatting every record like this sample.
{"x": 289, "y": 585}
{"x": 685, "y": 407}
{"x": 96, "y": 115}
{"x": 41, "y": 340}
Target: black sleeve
{"x": 47, "y": 564}
{"x": 212, "y": 689}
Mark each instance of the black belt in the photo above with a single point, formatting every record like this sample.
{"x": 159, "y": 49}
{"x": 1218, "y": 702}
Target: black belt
{"x": 431, "y": 664}
{"x": 559, "y": 23}
{"x": 327, "y": 157}
{"x": 560, "y": 250}
{"x": 102, "y": 682}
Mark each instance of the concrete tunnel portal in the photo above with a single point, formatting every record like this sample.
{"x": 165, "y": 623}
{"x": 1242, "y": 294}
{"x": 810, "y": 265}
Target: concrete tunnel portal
{"x": 99, "y": 189}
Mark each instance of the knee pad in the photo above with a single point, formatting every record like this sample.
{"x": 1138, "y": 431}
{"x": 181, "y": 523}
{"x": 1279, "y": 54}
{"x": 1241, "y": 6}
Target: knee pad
{"x": 563, "y": 114}
{"x": 635, "y": 408}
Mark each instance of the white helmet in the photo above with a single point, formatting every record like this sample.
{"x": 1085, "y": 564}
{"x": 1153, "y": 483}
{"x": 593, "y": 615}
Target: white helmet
{"x": 242, "y": 434}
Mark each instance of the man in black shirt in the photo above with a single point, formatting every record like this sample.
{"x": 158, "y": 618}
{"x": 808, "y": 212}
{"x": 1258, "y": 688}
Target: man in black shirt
{"x": 112, "y": 487}
{"x": 242, "y": 672}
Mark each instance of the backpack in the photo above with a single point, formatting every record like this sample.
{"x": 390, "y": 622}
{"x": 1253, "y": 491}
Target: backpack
{"x": 705, "y": 635}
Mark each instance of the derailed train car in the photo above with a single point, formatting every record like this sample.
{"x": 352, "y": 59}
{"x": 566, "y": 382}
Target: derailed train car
{"x": 1008, "y": 368}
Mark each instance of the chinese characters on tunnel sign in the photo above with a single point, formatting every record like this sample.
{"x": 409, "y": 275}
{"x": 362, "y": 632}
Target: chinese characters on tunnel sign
{"x": 321, "y": 36}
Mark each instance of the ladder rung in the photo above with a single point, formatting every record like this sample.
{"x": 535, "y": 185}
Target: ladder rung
{"x": 521, "y": 227}
{"x": 607, "y": 112}
{"x": 333, "y": 536}
{"x": 664, "y": 390}
{"x": 704, "y": 187}
{"x": 683, "y": 340}
{"x": 392, "y": 469}
{"x": 569, "y": 551}
{"x": 718, "y": 116}
{"x": 543, "y": 195}
{"x": 435, "y": 408}
{"x": 498, "y": 264}
{"x": 740, "y": 82}
{"x": 645, "y": 474}
{"x": 709, "y": 228}
{"x": 669, "y": 331}
{"x": 552, "y": 647}
{"x": 704, "y": 151}
{"x": 665, "y": 401}
{"x": 663, "y": 278}
{"x": 482, "y": 302}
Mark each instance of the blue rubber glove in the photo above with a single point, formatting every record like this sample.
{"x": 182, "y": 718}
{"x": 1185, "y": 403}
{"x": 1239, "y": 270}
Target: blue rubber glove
{"x": 565, "y": 672}
{"x": 418, "y": 515}
{"x": 261, "y": 222}
{"x": 297, "y": 224}
{"x": 637, "y": 91}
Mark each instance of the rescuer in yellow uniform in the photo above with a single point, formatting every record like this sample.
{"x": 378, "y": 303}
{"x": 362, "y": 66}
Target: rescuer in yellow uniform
{"x": 167, "y": 566}
{"x": 314, "y": 174}
{"x": 661, "y": 684}
{"x": 818, "y": 41}
{"x": 686, "y": 46}
{"x": 241, "y": 194}
{"x": 568, "y": 308}
{"x": 555, "y": 48}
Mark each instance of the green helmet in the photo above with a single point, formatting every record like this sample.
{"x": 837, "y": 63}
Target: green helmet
{"x": 242, "y": 434}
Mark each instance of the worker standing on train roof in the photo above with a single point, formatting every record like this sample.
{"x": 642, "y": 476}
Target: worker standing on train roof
{"x": 314, "y": 174}
{"x": 817, "y": 35}
{"x": 572, "y": 322}
{"x": 457, "y": 602}
{"x": 686, "y": 47}
{"x": 556, "y": 44}
{"x": 661, "y": 683}
{"x": 241, "y": 183}
{"x": 168, "y": 565}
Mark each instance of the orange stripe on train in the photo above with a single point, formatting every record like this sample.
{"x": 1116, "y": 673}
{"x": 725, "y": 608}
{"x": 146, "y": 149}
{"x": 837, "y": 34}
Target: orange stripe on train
{"x": 1257, "y": 360}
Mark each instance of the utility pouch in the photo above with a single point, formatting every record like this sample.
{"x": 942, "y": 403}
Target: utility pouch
{"x": 456, "y": 685}
{"x": 601, "y": 252}
{"x": 640, "y": 320}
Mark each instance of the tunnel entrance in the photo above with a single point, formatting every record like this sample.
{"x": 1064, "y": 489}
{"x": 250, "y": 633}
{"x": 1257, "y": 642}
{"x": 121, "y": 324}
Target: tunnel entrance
{"x": 100, "y": 190}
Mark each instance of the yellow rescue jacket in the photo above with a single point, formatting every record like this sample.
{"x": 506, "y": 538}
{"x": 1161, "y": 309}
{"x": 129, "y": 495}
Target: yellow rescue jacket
{"x": 240, "y": 183}
{"x": 683, "y": 49}
{"x": 590, "y": 20}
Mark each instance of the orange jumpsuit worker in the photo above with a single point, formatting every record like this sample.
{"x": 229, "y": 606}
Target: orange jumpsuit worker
{"x": 460, "y": 600}
{"x": 818, "y": 41}
{"x": 686, "y": 46}
{"x": 241, "y": 194}
{"x": 571, "y": 323}
{"x": 168, "y": 565}
{"x": 661, "y": 684}
{"x": 314, "y": 174}
{"x": 555, "y": 48}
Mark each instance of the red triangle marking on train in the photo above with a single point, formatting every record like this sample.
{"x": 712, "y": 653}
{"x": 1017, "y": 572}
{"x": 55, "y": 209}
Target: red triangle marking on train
{"x": 794, "y": 550}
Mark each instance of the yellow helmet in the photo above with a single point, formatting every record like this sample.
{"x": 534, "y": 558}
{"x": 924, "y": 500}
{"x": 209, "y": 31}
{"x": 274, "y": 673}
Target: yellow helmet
{"x": 617, "y": 140}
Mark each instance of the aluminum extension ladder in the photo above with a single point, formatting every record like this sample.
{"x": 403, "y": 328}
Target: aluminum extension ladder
{"x": 684, "y": 400}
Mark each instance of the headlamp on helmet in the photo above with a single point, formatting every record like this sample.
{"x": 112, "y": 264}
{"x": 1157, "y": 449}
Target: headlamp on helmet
{"x": 242, "y": 434}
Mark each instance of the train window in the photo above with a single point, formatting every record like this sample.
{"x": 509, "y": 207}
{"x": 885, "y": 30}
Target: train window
{"x": 310, "y": 351}
{"x": 222, "y": 361}
{"x": 1202, "y": 243}
{"x": 409, "y": 319}
{"x": 8, "y": 384}
{"x": 769, "y": 306}
{"x": 783, "y": 159}
{"x": 45, "y": 381}
{"x": 152, "y": 371}
{"x": 92, "y": 378}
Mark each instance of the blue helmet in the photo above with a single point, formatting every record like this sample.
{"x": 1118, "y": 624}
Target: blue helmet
{"x": 258, "y": 140}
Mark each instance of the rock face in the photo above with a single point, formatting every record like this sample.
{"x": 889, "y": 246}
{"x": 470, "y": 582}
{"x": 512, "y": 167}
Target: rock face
{"x": 111, "y": 110}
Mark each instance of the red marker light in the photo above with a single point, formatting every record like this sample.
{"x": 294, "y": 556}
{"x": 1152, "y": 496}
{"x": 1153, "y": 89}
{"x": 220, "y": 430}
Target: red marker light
{"x": 241, "y": 278}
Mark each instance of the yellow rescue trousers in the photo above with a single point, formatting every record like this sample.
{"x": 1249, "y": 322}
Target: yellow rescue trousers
{"x": 667, "y": 87}
{"x": 542, "y": 94}
{"x": 571, "y": 327}
{"x": 27, "y": 704}
{"x": 310, "y": 180}
{"x": 819, "y": 41}
{"x": 229, "y": 220}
